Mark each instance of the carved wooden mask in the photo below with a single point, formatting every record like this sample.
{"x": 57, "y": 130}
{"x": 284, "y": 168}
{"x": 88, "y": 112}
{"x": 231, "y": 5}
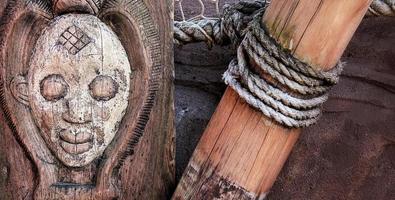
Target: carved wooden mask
{"x": 77, "y": 87}
{"x": 72, "y": 72}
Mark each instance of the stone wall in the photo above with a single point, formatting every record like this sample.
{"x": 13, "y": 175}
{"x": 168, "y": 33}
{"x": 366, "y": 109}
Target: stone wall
{"x": 349, "y": 154}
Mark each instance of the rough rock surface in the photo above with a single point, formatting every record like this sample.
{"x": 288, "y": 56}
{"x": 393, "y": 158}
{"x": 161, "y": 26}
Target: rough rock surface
{"x": 349, "y": 154}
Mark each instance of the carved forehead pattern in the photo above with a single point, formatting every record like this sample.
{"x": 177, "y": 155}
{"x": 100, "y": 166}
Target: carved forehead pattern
{"x": 78, "y": 43}
{"x": 74, "y": 39}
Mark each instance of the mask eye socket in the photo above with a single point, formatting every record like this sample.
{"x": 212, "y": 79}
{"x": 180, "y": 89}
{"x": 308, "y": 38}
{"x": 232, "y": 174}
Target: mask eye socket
{"x": 103, "y": 88}
{"x": 53, "y": 87}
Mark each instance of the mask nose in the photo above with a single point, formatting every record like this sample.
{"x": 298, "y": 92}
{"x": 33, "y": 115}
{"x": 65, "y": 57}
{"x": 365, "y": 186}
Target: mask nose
{"x": 78, "y": 111}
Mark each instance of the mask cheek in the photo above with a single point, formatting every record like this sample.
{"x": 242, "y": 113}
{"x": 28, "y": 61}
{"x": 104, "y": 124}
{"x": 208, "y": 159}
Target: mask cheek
{"x": 102, "y": 113}
{"x": 102, "y": 125}
{"x": 47, "y": 122}
{"x": 100, "y": 136}
{"x": 46, "y": 114}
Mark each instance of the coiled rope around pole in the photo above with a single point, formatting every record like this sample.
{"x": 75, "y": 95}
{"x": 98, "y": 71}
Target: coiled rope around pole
{"x": 293, "y": 93}
{"x": 279, "y": 85}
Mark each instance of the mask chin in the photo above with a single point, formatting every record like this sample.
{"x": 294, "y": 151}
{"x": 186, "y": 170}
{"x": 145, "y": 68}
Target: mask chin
{"x": 72, "y": 160}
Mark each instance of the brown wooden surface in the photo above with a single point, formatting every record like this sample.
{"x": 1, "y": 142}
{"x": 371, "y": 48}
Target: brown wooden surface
{"x": 316, "y": 31}
{"x": 241, "y": 152}
{"x": 139, "y": 162}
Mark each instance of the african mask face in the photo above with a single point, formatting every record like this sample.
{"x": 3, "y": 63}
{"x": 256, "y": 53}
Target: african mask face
{"x": 77, "y": 87}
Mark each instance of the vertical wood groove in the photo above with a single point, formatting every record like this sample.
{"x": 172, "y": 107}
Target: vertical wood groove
{"x": 307, "y": 26}
{"x": 234, "y": 160}
{"x": 289, "y": 17}
{"x": 213, "y": 160}
{"x": 257, "y": 157}
{"x": 277, "y": 18}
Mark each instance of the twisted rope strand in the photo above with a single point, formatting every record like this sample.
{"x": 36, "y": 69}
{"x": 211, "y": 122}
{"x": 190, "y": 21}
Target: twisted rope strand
{"x": 220, "y": 31}
{"x": 292, "y": 83}
{"x": 279, "y": 66}
{"x": 293, "y": 93}
{"x": 286, "y": 58}
{"x": 236, "y": 17}
{"x": 257, "y": 103}
{"x": 243, "y": 73}
{"x": 382, "y": 8}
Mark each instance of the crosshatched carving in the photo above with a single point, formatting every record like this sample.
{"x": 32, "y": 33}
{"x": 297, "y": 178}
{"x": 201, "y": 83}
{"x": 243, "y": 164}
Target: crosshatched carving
{"x": 74, "y": 39}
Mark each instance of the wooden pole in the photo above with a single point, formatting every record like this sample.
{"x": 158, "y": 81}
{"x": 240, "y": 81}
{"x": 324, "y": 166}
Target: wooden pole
{"x": 241, "y": 151}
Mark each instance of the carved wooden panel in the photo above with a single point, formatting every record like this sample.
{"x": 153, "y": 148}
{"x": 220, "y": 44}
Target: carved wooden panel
{"x": 86, "y": 99}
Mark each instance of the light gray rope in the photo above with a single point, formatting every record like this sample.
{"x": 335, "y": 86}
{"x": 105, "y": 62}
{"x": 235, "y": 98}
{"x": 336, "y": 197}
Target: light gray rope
{"x": 382, "y": 8}
{"x": 296, "y": 82}
{"x": 207, "y": 30}
{"x": 295, "y": 92}
{"x": 256, "y": 85}
{"x": 227, "y": 30}
{"x": 267, "y": 42}
{"x": 230, "y": 28}
{"x": 291, "y": 92}
{"x": 257, "y": 103}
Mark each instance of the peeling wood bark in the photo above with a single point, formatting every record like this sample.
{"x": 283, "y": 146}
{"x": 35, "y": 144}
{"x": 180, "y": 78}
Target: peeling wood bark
{"x": 77, "y": 121}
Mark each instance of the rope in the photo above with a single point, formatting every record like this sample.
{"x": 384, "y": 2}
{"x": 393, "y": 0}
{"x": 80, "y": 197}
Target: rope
{"x": 291, "y": 92}
{"x": 219, "y": 31}
{"x": 382, "y": 8}
{"x": 292, "y": 99}
{"x": 235, "y": 18}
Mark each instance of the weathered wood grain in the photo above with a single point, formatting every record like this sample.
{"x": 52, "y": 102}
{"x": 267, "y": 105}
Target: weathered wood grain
{"x": 86, "y": 100}
{"x": 241, "y": 151}
{"x": 316, "y": 31}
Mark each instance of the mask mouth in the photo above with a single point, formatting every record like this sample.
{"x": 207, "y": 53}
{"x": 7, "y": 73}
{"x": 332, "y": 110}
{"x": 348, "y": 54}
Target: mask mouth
{"x": 76, "y": 142}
